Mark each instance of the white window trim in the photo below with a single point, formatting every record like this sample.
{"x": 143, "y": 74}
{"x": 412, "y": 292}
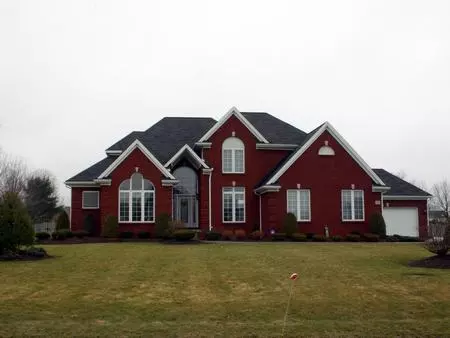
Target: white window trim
{"x": 233, "y": 194}
{"x": 298, "y": 203}
{"x": 353, "y": 206}
{"x": 98, "y": 199}
{"x": 130, "y": 205}
{"x": 233, "y": 161}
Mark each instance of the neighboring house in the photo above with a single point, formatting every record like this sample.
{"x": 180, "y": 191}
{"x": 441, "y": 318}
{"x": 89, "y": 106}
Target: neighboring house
{"x": 246, "y": 170}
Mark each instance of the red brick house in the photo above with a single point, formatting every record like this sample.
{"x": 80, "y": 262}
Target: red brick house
{"x": 246, "y": 170}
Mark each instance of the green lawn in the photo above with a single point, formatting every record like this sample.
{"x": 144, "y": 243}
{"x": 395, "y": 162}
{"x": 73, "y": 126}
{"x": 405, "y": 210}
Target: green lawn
{"x": 128, "y": 289}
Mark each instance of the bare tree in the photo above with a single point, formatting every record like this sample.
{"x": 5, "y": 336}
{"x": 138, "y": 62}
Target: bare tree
{"x": 441, "y": 192}
{"x": 13, "y": 174}
{"x": 420, "y": 184}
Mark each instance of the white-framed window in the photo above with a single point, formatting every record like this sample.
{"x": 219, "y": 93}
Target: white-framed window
{"x": 91, "y": 200}
{"x": 299, "y": 203}
{"x": 352, "y": 205}
{"x": 233, "y": 205}
{"x": 233, "y": 156}
{"x": 136, "y": 200}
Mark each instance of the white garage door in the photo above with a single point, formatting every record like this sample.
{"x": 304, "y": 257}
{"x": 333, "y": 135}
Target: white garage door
{"x": 401, "y": 221}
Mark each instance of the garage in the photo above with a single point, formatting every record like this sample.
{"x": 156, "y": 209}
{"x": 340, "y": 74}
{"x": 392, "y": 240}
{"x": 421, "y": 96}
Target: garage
{"x": 401, "y": 221}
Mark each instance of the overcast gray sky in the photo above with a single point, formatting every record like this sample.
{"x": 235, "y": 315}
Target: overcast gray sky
{"x": 75, "y": 76}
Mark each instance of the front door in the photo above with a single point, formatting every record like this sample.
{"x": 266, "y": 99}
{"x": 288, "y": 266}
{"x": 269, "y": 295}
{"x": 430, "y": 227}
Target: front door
{"x": 186, "y": 210}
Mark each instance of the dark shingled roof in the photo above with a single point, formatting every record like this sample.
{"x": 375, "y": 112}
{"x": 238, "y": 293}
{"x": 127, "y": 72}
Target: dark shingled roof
{"x": 275, "y": 130}
{"x": 168, "y": 135}
{"x": 398, "y": 186}
{"x": 93, "y": 171}
{"x": 287, "y": 158}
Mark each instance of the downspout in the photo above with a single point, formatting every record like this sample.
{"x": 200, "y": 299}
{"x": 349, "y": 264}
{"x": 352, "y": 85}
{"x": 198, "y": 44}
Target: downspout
{"x": 209, "y": 202}
{"x": 260, "y": 215}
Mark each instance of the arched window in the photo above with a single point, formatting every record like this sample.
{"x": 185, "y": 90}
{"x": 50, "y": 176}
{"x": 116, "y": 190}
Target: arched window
{"x": 136, "y": 200}
{"x": 233, "y": 156}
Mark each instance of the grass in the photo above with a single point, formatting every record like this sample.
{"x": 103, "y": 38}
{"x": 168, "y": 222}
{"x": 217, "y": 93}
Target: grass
{"x": 130, "y": 289}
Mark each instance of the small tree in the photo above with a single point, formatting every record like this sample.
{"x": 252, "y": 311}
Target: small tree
{"x": 15, "y": 223}
{"x": 40, "y": 195}
{"x": 62, "y": 222}
{"x": 377, "y": 224}
{"x": 439, "y": 239}
{"x": 162, "y": 226}
{"x": 110, "y": 228}
{"x": 289, "y": 224}
{"x": 89, "y": 224}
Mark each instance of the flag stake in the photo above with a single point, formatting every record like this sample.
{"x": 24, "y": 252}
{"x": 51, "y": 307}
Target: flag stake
{"x": 293, "y": 278}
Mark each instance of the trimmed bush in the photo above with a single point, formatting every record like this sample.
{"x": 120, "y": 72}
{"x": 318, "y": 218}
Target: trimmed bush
{"x": 62, "y": 222}
{"x": 69, "y": 234}
{"x": 377, "y": 224}
{"x": 89, "y": 224}
{"x": 61, "y": 235}
{"x": 278, "y": 236}
{"x": 42, "y": 236}
{"x": 319, "y": 238}
{"x": 143, "y": 234}
{"x": 371, "y": 237}
{"x": 227, "y": 235}
{"x": 337, "y": 238}
{"x": 15, "y": 223}
{"x": 126, "y": 234}
{"x": 310, "y": 235}
{"x": 355, "y": 232}
{"x": 163, "y": 227}
{"x": 256, "y": 235}
{"x": 289, "y": 224}
{"x": 240, "y": 234}
{"x": 353, "y": 238}
{"x": 183, "y": 235}
{"x": 299, "y": 237}
{"x": 80, "y": 234}
{"x": 213, "y": 235}
{"x": 110, "y": 228}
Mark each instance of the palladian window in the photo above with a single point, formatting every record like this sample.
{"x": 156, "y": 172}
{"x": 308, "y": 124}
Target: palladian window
{"x": 136, "y": 200}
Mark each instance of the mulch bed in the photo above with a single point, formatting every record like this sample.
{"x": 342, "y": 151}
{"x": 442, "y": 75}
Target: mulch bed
{"x": 434, "y": 262}
{"x": 25, "y": 256}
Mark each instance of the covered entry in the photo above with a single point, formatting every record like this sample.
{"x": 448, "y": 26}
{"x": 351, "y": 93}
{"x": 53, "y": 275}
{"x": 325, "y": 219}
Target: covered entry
{"x": 185, "y": 197}
{"x": 402, "y": 221}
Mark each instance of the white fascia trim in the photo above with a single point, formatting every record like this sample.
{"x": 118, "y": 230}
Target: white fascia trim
{"x": 342, "y": 142}
{"x": 267, "y": 188}
{"x": 207, "y": 171}
{"x": 136, "y": 144}
{"x": 203, "y": 144}
{"x": 402, "y": 198}
{"x": 276, "y": 146}
{"x": 169, "y": 183}
{"x": 113, "y": 152}
{"x": 233, "y": 111}
{"x": 191, "y": 152}
{"x": 81, "y": 184}
{"x": 380, "y": 189}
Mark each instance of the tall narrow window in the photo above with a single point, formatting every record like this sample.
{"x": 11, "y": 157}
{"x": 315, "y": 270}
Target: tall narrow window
{"x": 136, "y": 200}
{"x": 233, "y": 204}
{"x": 352, "y": 205}
{"x": 299, "y": 203}
{"x": 233, "y": 156}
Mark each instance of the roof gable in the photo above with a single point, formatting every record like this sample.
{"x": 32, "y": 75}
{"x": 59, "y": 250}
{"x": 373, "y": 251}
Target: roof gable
{"x": 233, "y": 112}
{"x": 309, "y": 140}
{"x": 93, "y": 171}
{"x": 136, "y": 145}
{"x": 191, "y": 153}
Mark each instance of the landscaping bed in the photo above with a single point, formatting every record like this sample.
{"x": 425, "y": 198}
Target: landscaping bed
{"x": 435, "y": 262}
{"x": 29, "y": 254}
